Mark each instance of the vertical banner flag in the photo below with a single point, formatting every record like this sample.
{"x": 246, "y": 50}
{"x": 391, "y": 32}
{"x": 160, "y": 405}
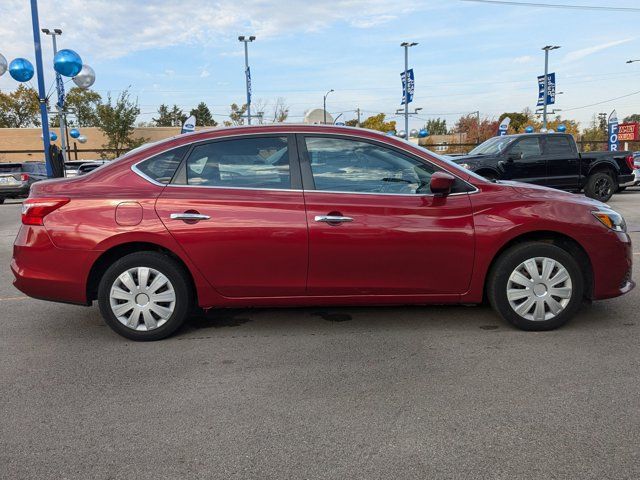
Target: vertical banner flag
{"x": 248, "y": 85}
{"x": 407, "y": 90}
{"x": 60, "y": 88}
{"x": 189, "y": 125}
{"x": 612, "y": 130}
{"x": 504, "y": 126}
{"x": 551, "y": 89}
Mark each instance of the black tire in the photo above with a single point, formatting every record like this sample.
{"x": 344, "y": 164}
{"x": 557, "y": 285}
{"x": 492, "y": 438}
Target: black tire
{"x": 168, "y": 267}
{"x": 601, "y": 186}
{"x": 506, "y": 264}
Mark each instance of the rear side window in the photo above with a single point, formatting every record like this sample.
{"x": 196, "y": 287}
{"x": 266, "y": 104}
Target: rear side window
{"x": 528, "y": 147}
{"x": 163, "y": 166}
{"x": 558, "y": 145}
{"x": 260, "y": 162}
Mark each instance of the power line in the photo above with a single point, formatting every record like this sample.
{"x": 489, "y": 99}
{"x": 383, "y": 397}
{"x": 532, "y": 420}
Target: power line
{"x": 558, "y": 5}
{"x": 600, "y": 103}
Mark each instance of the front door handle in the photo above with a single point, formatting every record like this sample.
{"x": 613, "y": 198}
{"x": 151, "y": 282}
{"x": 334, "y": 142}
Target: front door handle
{"x": 189, "y": 217}
{"x": 333, "y": 219}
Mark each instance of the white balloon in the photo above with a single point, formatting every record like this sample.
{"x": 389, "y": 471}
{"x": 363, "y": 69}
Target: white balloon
{"x": 413, "y": 132}
{"x": 85, "y": 78}
{"x": 3, "y": 65}
{"x": 402, "y": 134}
{"x": 82, "y": 139}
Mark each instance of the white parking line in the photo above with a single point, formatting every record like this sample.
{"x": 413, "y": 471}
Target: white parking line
{"x": 8, "y": 299}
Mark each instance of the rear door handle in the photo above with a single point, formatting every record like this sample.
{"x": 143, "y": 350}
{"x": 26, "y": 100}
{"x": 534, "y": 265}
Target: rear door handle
{"x": 189, "y": 216}
{"x": 332, "y": 219}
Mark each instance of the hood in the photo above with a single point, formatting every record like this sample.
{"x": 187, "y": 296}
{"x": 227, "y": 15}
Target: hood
{"x": 469, "y": 158}
{"x": 547, "y": 193}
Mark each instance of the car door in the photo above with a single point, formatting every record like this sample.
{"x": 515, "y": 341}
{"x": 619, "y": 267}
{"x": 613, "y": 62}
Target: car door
{"x": 374, "y": 226}
{"x": 525, "y": 162}
{"x": 237, "y": 209}
{"x": 563, "y": 162}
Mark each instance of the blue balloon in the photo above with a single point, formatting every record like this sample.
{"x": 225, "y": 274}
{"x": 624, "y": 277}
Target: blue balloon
{"x": 529, "y": 129}
{"x": 423, "y": 133}
{"x": 74, "y": 133}
{"x": 562, "y": 127}
{"x": 391, "y": 132}
{"x": 53, "y": 136}
{"x": 21, "y": 70}
{"x": 67, "y": 63}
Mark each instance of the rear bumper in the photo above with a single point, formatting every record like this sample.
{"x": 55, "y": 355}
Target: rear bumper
{"x": 626, "y": 180}
{"x": 14, "y": 191}
{"x": 44, "y": 271}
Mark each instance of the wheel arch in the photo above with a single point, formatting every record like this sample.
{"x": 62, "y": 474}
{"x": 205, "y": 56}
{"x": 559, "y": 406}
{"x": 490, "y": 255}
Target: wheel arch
{"x": 107, "y": 257}
{"x": 487, "y": 170}
{"x": 603, "y": 166}
{"x": 555, "y": 238}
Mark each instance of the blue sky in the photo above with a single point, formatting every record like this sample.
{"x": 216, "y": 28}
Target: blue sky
{"x": 471, "y": 56}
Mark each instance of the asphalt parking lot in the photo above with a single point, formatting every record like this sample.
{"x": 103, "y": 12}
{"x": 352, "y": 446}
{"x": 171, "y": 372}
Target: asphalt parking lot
{"x": 370, "y": 393}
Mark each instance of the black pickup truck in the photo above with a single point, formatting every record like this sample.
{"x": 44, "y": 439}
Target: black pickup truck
{"x": 553, "y": 160}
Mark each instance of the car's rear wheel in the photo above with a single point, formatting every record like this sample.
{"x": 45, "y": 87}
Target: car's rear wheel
{"x": 536, "y": 286}
{"x": 601, "y": 186}
{"x": 145, "y": 296}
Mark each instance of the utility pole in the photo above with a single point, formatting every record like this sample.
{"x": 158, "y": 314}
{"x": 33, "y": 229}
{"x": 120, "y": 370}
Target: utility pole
{"x": 42, "y": 95}
{"x": 247, "y": 72}
{"x": 60, "y": 91}
{"x": 406, "y": 46}
{"x": 478, "y": 123}
{"x": 546, "y": 81}
{"x": 358, "y": 114}
{"x": 324, "y": 107}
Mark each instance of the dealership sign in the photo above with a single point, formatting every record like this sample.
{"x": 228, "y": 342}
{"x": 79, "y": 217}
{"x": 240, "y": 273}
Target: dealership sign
{"x": 612, "y": 132}
{"x": 551, "y": 90}
{"x": 407, "y": 87}
{"x": 628, "y": 132}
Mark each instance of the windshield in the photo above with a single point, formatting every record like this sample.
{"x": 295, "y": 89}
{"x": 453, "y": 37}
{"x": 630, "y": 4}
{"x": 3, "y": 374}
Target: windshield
{"x": 493, "y": 146}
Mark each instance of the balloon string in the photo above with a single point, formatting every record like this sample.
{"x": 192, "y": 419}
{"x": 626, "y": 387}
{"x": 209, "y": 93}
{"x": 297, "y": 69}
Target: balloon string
{"x": 49, "y": 92}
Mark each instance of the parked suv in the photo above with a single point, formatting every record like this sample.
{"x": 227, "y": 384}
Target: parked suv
{"x": 287, "y": 215}
{"x": 16, "y": 178}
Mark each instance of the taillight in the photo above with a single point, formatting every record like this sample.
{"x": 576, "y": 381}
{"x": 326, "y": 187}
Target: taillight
{"x": 35, "y": 209}
{"x": 24, "y": 177}
{"x": 629, "y": 161}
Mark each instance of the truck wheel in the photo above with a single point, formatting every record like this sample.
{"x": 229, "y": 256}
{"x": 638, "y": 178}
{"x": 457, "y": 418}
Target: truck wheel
{"x": 601, "y": 186}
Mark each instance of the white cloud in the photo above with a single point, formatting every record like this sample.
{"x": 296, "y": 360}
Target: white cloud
{"x": 523, "y": 59}
{"x": 115, "y": 28}
{"x": 585, "y": 52}
{"x": 204, "y": 73}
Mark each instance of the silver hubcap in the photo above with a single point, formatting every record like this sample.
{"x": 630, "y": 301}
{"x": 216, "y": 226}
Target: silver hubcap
{"x": 539, "y": 289}
{"x": 142, "y": 298}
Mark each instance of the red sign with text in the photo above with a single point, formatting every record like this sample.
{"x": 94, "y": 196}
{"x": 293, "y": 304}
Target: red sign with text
{"x": 628, "y": 132}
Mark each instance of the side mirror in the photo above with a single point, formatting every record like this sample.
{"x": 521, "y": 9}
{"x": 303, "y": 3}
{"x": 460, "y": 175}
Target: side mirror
{"x": 441, "y": 183}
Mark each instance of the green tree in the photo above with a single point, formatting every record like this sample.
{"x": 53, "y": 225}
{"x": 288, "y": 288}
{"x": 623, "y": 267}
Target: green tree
{"x": 519, "y": 120}
{"x": 164, "y": 117}
{"x": 84, "y": 104}
{"x": 203, "y": 115}
{"x": 117, "y": 120}
{"x": 476, "y": 132}
{"x": 177, "y": 116}
{"x": 235, "y": 115}
{"x": 436, "y": 126}
{"x": 19, "y": 108}
{"x": 594, "y": 136}
{"x": 374, "y": 122}
{"x": 632, "y": 118}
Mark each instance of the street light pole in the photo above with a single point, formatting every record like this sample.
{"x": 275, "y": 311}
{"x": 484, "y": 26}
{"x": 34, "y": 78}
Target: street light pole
{"x": 246, "y": 41}
{"x": 632, "y": 61}
{"x": 324, "y": 107}
{"x": 546, "y": 80}
{"x": 60, "y": 108}
{"x": 406, "y": 46}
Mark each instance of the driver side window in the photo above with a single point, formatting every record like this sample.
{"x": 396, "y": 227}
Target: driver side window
{"x": 527, "y": 147}
{"x": 341, "y": 165}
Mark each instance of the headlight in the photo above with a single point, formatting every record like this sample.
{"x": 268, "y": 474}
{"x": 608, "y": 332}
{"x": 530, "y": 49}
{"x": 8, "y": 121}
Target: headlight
{"x": 611, "y": 219}
{"x": 465, "y": 165}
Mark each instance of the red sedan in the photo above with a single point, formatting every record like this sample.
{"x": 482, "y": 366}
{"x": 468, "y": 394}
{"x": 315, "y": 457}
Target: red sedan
{"x": 310, "y": 215}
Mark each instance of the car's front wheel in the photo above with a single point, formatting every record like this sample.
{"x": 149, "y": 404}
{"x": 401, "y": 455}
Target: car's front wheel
{"x": 145, "y": 296}
{"x": 536, "y": 286}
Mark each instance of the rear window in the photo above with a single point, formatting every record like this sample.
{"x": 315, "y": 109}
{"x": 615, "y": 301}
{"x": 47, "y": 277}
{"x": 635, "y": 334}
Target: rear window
{"x": 558, "y": 145}
{"x": 163, "y": 166}
{"x": 38, "y": 168}
{"x": 12, "y": 168}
